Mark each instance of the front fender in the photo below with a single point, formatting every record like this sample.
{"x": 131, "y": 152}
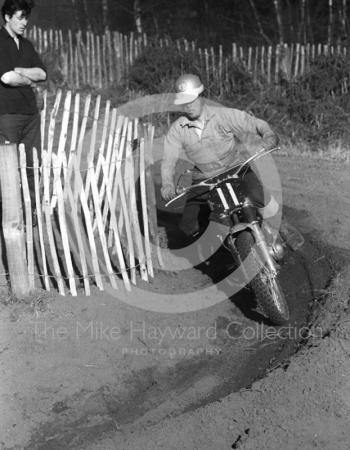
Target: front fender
{"x": 241, "y": 227}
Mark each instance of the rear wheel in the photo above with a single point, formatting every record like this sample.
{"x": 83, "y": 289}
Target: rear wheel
{"x": 265, "y": 285}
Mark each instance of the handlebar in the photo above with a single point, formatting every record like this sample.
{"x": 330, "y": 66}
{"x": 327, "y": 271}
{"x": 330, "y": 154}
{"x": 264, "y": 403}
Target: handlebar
{"x": 206, "y": 183}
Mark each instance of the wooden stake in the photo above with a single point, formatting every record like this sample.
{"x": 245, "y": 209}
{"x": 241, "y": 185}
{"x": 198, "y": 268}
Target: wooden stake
{"x": 277, "y": 63}
{"x": 99, "y": 62}
{"x": 302, "y": 68}
{"x": 28, "y": 216}
{"x": 12, "y": 221}
{"x": 93, "y": 60}
{"x": 297, "y": 55}
{"x": 88, "y": 59}
{"x": 70, "y": 58}
{"x": 269, "y": 54}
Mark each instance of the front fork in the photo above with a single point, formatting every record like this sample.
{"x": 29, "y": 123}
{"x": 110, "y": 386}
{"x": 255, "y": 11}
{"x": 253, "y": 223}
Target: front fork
{"x": 260, "y": 241}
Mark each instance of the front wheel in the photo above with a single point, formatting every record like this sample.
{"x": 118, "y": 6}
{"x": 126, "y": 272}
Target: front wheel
{"x": 265, "y": 285}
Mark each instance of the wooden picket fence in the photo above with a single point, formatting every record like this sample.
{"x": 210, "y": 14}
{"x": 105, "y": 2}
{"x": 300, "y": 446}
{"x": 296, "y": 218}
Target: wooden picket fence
{"x": 94, "y": 199}
{"x": 101, "y": 61}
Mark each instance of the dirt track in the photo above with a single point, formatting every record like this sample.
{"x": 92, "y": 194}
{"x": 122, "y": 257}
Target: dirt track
{"x": 63, "y": 387}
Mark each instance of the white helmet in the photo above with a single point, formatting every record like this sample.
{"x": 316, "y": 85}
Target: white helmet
{"x": 187, "y": 88}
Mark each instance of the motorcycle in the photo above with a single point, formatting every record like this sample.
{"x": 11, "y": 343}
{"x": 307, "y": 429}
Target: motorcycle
{"x": 251, "y": 242}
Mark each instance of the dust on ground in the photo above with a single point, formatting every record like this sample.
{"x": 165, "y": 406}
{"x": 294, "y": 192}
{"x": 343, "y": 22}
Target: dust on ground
{"x": 74, "y": 376}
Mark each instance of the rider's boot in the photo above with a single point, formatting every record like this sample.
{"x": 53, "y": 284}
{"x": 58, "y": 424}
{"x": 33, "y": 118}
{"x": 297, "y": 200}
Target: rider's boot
{"x": 289, "y": 234}
{"x": 292, "y": 237}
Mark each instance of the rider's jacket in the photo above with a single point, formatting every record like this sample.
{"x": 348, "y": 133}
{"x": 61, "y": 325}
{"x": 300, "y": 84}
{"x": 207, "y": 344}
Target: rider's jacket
{"x": 213, "y": 142}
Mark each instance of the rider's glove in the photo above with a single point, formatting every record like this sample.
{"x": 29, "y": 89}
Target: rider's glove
{"x": 168, "y": 192}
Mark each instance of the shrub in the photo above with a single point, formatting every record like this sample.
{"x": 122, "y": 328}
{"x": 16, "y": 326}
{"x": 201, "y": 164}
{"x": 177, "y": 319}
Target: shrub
{"x": 156, "y": 69}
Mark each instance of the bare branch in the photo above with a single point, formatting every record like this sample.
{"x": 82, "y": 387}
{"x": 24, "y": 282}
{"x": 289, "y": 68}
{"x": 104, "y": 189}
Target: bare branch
{"x": 258, "y": 22}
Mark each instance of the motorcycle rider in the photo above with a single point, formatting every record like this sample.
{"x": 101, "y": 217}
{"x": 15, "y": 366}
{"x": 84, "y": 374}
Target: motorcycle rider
{"x": 211, "y": 137}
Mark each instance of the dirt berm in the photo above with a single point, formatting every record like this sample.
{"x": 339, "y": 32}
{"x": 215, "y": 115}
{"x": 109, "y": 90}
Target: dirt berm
{"x": 304, "y": 403}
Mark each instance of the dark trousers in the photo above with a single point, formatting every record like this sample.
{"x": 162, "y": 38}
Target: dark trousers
{"x": 23, "y": 129}
{"x": 196, "y": 212}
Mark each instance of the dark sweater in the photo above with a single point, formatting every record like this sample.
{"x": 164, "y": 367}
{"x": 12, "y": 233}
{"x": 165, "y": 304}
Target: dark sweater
{"x": 17, "y": 99}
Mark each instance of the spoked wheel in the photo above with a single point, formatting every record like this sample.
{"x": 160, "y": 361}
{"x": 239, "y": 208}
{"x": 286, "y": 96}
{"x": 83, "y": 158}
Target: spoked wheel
{"x": 265, "y": 285}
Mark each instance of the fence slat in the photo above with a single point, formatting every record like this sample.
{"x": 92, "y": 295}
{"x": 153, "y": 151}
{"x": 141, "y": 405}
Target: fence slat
{"x": 144, "y": 209}
{"x": 100, "y": 227}
{"x": 135, "y": 225}
{"x": 80, "y": 191}
{"x": 151, "y": 195}
{"x": 76, "y": 219}
{"x": 108, "y": 57}
{"x": 40, "y": 218}
{"x": 114, "y": 224}
{"x": 63, "y": 225}
{"x": 47, "y": 213}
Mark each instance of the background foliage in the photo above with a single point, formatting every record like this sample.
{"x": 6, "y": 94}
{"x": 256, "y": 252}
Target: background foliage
{"x": 312, "y": 111}
{"x": 208, "y": 22}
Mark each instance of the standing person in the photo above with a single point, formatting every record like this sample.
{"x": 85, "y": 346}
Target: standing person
{"x": 20, "y": 70}
{"x": 210, "y": 136}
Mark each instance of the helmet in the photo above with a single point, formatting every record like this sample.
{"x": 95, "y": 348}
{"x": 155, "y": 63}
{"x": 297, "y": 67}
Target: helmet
{"x": 187, "y": 87}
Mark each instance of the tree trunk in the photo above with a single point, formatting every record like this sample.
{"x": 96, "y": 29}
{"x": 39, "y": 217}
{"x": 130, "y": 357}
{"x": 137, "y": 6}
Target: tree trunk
{"x": 292, "y": 37}
{"x": 330, "y": 21}
{"x": 279, "y": 20}
{"x": 258, "y": 22}
{"x": 302, "y": 26}
{"x": 137, "y": 16}
{"x": 86, "y": 15}
{"x": 105, "y": 14}
{"x": 76, "y": 15}
{"x": 310, "y": 35}
{"x": 342, "y": 19}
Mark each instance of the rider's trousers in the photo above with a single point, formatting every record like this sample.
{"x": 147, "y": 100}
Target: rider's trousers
{"x": 196, "y": 212}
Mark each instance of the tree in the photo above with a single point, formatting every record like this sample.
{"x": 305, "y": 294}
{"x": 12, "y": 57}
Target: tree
{"x": 258, "y": 22}
{"x": 279, "y": 20}
{"x": 330, "y": 22}
{"x": 105, "y": 13}
{"x": 137, "y": 16}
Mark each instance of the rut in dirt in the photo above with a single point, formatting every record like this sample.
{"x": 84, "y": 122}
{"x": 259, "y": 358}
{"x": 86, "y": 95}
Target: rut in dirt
{"x": 150, "y": 395}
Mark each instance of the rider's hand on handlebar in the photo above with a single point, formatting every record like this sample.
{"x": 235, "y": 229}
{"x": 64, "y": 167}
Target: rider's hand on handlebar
{"x": 168, "y": 192}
